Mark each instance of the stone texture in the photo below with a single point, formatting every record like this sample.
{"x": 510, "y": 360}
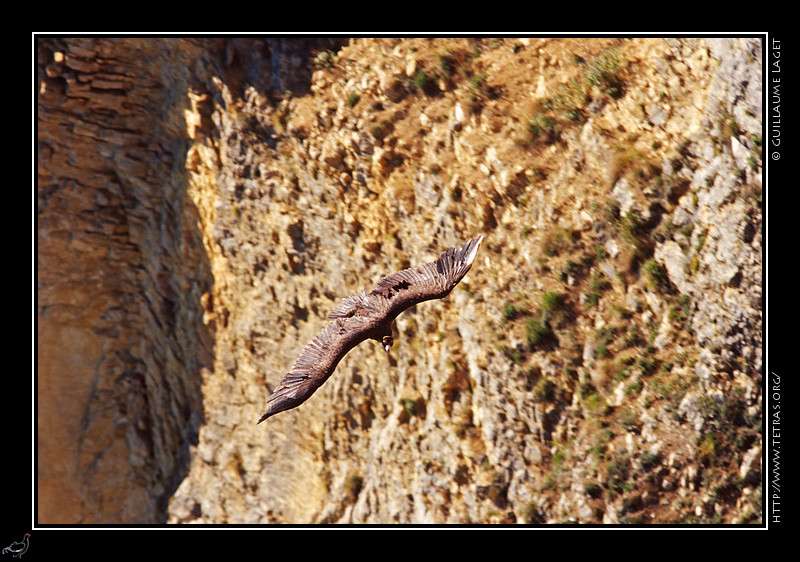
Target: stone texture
{"x": 120, "y": 275}
{"x": 247, "y": 211}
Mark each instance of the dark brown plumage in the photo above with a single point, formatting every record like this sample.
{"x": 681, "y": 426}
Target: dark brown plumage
{"x": 368, "y": 315}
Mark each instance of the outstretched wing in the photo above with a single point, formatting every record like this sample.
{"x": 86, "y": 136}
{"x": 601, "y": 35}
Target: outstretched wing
{"x": 363, "y": 315}
{"x": 314, "y": 365}
{"x": 430, "y": 281}
{"x": 358, "y": 304}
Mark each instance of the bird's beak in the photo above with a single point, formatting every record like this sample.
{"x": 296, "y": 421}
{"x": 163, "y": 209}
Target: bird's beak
{"x": 387, "y": 346}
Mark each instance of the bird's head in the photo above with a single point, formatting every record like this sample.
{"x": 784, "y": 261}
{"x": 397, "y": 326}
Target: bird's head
{"x": 387, "y": 342}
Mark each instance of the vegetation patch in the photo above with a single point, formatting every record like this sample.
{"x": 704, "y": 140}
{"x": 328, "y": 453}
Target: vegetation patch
{"x": 618, "y": 472}
{"x": 600, "y": 76}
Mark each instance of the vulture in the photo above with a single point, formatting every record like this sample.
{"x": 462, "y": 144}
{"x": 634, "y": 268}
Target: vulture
{"x": 368, "y": 315}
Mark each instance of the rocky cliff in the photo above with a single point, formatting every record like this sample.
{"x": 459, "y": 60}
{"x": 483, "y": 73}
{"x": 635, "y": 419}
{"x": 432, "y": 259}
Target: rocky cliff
{"x": 203, "y": 204}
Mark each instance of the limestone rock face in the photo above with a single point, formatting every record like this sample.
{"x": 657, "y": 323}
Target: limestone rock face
{"x": 203, "y": 204}
{"x": 121, "y": 273}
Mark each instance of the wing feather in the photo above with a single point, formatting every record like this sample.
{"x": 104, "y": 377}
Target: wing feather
{"x": 432, "y": 280}
{"x": 314, "y": 365}
{"x": 351, "y": 305}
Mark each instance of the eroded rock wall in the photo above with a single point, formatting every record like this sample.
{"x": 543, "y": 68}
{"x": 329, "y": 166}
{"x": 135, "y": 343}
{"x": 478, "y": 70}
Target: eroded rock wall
{"x": 204, "y": 204}
{"x": 120, "y": 273}
{"x": 568, "y": 377}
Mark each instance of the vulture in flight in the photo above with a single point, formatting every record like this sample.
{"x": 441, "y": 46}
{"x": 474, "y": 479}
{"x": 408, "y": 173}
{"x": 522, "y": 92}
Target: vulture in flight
{"x": 368, "y": 315}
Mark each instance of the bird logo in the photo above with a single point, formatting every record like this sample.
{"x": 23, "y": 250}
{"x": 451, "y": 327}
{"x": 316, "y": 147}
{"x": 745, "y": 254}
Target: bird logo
{"x": 17, "y": 548}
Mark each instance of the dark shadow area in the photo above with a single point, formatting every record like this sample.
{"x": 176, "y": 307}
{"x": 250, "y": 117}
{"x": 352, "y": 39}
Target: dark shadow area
{"x": 122, "y": 277}
{"x": 275, "y": 65}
